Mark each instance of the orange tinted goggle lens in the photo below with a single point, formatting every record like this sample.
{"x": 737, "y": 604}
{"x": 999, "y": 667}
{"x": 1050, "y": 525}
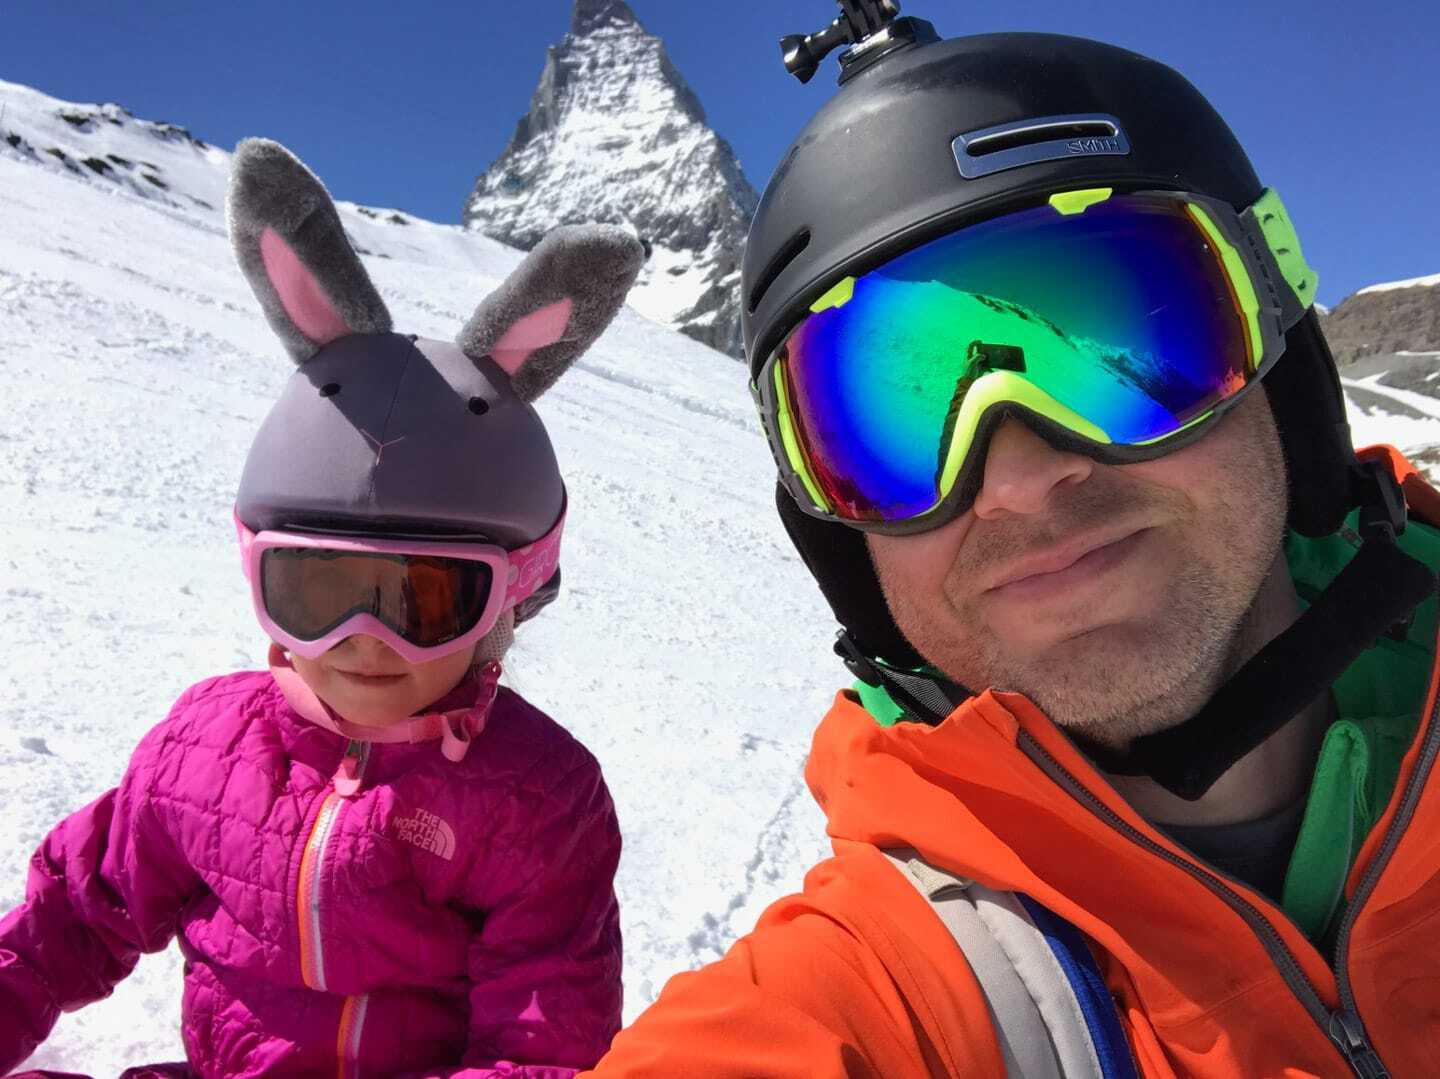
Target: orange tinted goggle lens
{"x": 309, "y": 591}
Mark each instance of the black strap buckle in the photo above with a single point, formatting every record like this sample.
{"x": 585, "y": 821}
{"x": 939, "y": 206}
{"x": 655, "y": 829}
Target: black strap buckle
{"x": 1382, "y": 516}
{"x": 856, "y": 661}
{"x": 924, "y": 696}
{"x": 1382, "y": 503}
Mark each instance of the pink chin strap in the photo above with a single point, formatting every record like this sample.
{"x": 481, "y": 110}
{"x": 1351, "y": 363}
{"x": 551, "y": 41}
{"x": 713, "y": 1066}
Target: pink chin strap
{"x": 456, "y": 729}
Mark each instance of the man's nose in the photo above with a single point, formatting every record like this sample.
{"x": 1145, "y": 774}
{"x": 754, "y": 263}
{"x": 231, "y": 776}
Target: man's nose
{"x": 1021, "y": 469}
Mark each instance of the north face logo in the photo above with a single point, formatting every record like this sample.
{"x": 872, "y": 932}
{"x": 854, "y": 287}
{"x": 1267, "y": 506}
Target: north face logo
{"x": 426, "y": 831}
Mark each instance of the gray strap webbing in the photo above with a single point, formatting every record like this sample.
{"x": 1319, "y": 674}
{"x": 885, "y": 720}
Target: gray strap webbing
{"x": 925, "y": 690}
{"x": 924, "y": 697}
{"x": 1037, "y": 1020}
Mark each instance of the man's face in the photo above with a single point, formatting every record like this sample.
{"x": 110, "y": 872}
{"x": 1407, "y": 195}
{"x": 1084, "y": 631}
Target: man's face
{"x": 1114, "y": 596}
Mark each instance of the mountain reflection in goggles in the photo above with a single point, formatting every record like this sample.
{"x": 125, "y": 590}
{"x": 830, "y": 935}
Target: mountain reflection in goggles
{"x": 309, "y": 591}
{"x": 1123, "y": 323}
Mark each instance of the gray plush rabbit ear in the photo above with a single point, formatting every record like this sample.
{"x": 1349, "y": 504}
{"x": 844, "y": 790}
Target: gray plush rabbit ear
{"x": 554, "y": 305}
{"x": 292, "y": 248}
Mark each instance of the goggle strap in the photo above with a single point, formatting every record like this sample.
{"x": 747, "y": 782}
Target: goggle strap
{"x": 246, "y": 538}
{"x": 532, "y": 565}
{"x": 1269, "y": 218}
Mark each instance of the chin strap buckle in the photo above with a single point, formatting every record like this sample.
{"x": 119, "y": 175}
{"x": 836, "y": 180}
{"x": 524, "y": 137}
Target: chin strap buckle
{"x": 925, "y": 695}
{"x": 1382, "y": 503}
{"x": 856, "y": 661}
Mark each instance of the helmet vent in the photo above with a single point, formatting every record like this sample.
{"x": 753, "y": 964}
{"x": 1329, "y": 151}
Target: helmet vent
{"x": 1049, "y": 138}
{"x": 784, "y": 257}
{"x": 1029, "y": 136}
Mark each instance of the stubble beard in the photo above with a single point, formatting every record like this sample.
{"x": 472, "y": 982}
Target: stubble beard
{"x": 1113, "y": 686}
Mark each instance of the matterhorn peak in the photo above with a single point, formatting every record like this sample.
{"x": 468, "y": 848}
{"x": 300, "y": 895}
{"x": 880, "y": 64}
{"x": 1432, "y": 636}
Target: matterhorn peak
{"x": 590, "y": 15}
{"x": 614, "y": 134}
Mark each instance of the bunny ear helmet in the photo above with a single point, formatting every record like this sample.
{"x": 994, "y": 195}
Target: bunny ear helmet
{"x": 293, "y": 250}
{"x": 388, "y": 434}
{"x": 555, "y": 304}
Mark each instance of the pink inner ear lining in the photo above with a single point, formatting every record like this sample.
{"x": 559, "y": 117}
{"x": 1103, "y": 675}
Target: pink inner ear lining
{"x": 300, "y": 294}
{"x": 534, "y": 331}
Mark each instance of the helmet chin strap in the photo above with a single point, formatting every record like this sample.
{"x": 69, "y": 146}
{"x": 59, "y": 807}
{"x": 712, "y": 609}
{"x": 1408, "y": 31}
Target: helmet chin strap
{"x": 455, "y": 729}
{"x": 1377, "y": 591}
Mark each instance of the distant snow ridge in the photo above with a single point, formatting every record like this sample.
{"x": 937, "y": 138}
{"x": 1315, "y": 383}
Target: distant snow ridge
{"x": 157, "y": 161}
{"x": 108, "y": 147}
{"x": 1428, "y": 281}
{"x": 615, "y": 134}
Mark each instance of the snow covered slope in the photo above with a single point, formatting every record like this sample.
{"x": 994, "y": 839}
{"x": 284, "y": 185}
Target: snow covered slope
{"x": 614, "y": 133}
{"x": 1396, "y": 399}
{"x": 688, "y": 649}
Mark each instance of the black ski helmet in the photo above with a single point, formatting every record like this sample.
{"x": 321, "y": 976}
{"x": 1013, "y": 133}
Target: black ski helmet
{"x": 875, "y": 173}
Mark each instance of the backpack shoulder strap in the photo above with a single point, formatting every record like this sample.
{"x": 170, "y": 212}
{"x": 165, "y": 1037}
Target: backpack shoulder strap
{"x": 1052, "y": 1016}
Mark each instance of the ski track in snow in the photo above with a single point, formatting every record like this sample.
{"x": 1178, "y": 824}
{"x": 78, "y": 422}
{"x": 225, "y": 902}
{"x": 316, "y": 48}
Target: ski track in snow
{"x": 716, "y": 932}
{"x": 745, "y": 421}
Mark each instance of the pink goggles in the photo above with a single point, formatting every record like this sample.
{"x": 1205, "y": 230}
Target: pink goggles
{"x": 424, "y": 599}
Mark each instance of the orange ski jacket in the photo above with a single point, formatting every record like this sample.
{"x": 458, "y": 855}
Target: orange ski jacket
{"x": 856, "y": 976}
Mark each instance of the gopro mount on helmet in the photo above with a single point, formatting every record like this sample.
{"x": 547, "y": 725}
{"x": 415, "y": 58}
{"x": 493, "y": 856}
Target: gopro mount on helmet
{"x": 874, "y": 29}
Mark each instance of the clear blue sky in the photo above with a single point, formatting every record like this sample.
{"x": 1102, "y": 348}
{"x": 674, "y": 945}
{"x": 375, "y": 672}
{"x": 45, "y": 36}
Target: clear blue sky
{"x": 403, "y": 104}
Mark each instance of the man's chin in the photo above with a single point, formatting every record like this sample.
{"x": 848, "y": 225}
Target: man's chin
{"x": 1077, "y": 637}
{"x": 1110, "y": 682}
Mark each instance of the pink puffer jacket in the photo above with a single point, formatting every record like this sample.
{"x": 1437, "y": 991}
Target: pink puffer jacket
{"x": 450, "y": 919}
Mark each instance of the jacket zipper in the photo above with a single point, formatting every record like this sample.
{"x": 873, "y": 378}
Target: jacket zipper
{"x": 1344, "y": 1027}
{"x": 309, "y": 906}
{"x": 1347, "y": 1023}
{"x": 347, "y": 1043}
{"x": 310, "y": 898}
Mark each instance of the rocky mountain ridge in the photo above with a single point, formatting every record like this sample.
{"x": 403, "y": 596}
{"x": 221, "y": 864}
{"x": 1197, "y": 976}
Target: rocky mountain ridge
{"x": 1399, "y": 317}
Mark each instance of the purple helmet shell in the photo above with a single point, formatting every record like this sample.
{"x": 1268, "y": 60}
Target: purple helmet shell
{"x": 383, "y": 433}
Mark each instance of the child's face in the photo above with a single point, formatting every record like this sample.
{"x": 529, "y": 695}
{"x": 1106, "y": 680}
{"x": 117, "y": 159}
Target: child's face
{"x": 367, "y": 682}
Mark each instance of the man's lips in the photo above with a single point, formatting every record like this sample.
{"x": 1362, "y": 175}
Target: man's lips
{"x": 1067, "y": 563}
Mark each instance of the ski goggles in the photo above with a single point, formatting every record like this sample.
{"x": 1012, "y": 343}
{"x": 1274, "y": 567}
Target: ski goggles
{"x": 424, "y": 599}
{"x": 1115, "y": 325}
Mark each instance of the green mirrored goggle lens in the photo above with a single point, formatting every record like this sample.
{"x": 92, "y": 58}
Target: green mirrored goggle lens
{"x": 1123, "y": 319}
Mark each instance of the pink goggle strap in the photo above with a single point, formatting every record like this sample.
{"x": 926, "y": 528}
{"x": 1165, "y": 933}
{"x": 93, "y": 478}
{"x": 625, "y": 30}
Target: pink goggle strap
{"x": 533, "y": 565}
